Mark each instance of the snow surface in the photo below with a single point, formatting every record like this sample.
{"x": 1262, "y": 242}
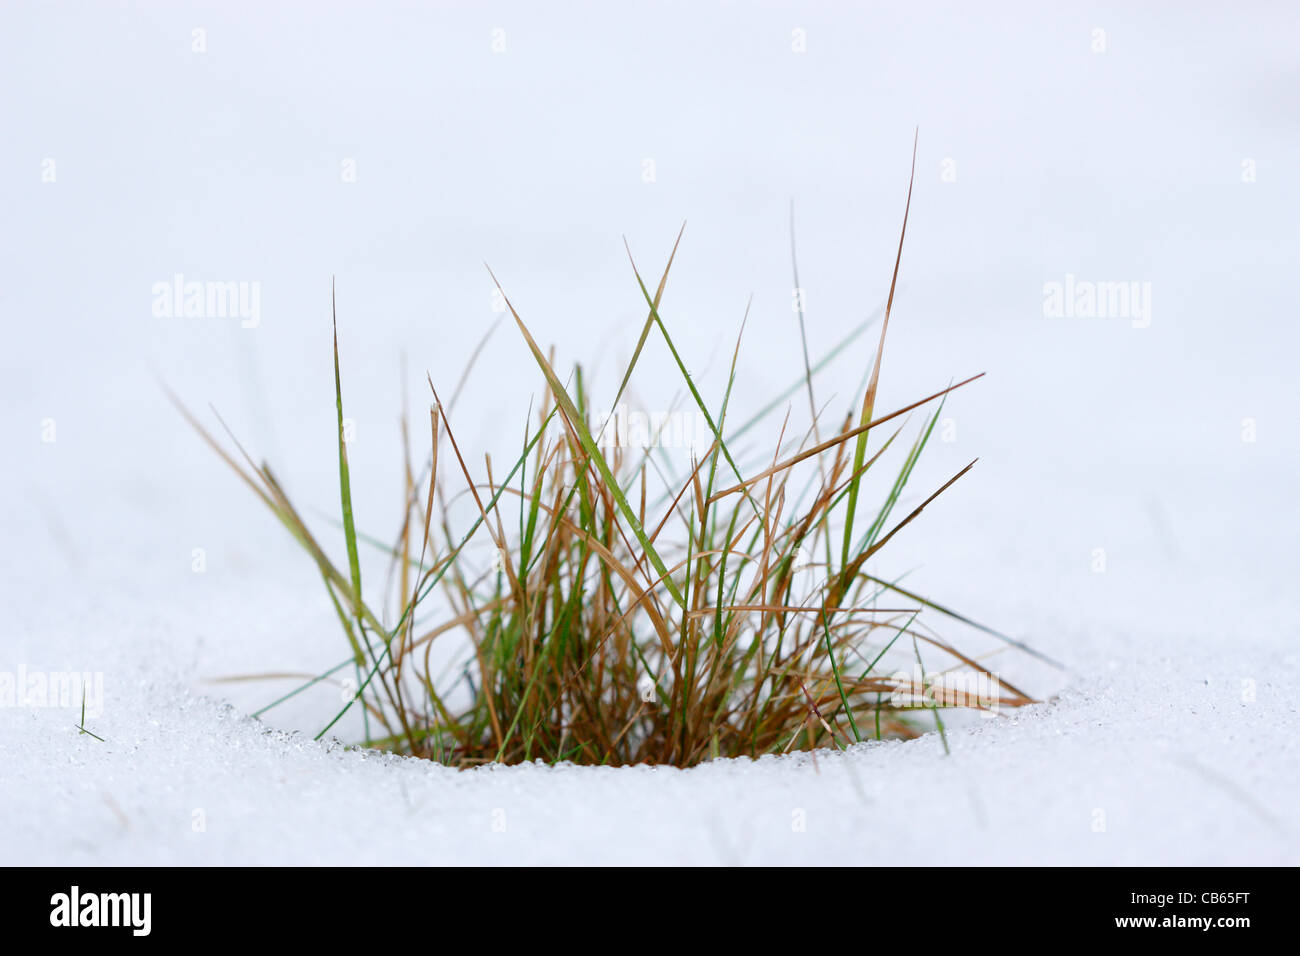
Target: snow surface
{"x": 1169, "y": 739}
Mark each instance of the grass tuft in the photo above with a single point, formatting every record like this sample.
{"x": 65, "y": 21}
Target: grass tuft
{"x": 630, "y": 614}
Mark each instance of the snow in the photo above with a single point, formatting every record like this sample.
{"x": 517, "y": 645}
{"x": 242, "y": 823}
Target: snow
{"x": 1170, "y": 738}
{"x": 1182, "y": 770}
